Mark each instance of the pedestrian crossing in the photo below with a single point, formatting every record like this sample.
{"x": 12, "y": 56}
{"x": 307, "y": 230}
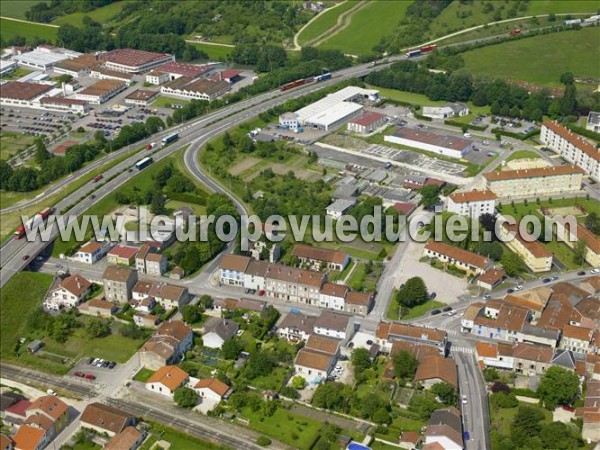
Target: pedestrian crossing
{"x": 467, "y": 350}
{"x": 436, "y": 327}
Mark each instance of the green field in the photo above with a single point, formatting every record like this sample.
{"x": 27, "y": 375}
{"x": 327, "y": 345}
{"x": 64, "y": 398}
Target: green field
{"x": 214, "y": 52}
{"x": 101, "y": 15}
{"x": 522, "y": 154}
{"x": 417, "y": 311}
{"x": 324, "y": 22}
{"x": 549, "y": 62}
{"x": 12, "y": 143}
{"x": 166, "y": 102}
{"x": 16, "y": 8}
{"x": 562, "y": 7}
{"x": 368, "y": 25}
{"x": 11, "y": 28}
{"x": 18, "y": 298}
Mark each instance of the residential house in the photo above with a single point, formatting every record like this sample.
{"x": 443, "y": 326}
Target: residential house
{"x": 500, "y": 320}
{"x": 50, "y": 412}
{"x": 143, "y": 305}
{"x": 30, "y": 437}
{"x": 358, "y": 303}
{"x": 470, "y": 262}
{"x": 296, "y": 326}
{"x": 535, "y": 300}
{"x": 233, "y": 269}
{"x": 92, "y": 251}
{"x": 389, "y": 332}
{"x": 319, "y": 258}
{"x": 590, "y": 412}
{"x": 577, "y": 339}
{"x": 221, "y": 305}
{"x": 535, "y": 256}
{"x": 212, "y": 389}
{"x": 6, "y": 443}
{"x": 8, "y": 399}
{"x": 444, "y": 429}
{"x": 434, "y": 369}
{"x": 472, "y": 204}
{"x": 67, "y": 292}
{"x": 292, "y": 284}
{"x": 254, "y": 277}
{"x": 168, "y": 344}
{"x": 148, "y": 262}
{"x": 118, "y": 283}
{"x": 333, "y": 296}
{"x": 167, "y": 295}
{"x": 128, "y": 439}
{"x": 335, "y": 324}
{"x": 409, "y": 440}
{"x": 99, "y": 308}
{"x": 532, "y": 359}
{"x": 166, "y": 380}
{"x": 122, "y": 255}
{"x": 468, "y": 317}
{"x": 495, "y": 354}
{"x": 491, "y": 278}
{"x": 216, "y": 331}
{"x": 102, "y": 418}
{"x": 315, "y": 361}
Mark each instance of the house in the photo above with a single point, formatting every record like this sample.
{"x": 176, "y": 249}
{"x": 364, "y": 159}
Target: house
{"x": 472, "y": 204}
{"x": 532, "y": 359}
{"x": 128, "y": 439}
{"x": 233, "y": 269}
{"x": 577, "y": 339}
{"x": 17, "y": 412}
{"x": 296, "y": 326}
{"x": 99, "y": 308}
{"x": 491, "y": 278}
{"x": 389, "y": 332}
{"x": 170, "y": 296}
{"x": 444, "y": 429}
{"x": 335, "y": 324}
{"x": 535, "y": 300}
{"x": 446, "y": 112}
{"x": 470, "y": 262}
{"x": 30, "y": 438}
{"x": 340, "y": 207}
{"x": 245, "y": 304}
{"x": 6, "y": 443}
{"x": 149, "y": 262}
{"x": 409, "y": 440}
{"x": 67, "y": 292}
{"x": 333, "y": 296}
{"x": 495, "y": 354}
{"x": 145, "y": 320}
{"x": 358, "y": 303}
{"x": 170, "y": 341}
{"x": 254, "y": 277}
{"x": 323, "y": 344}
{"x": 216, "y": 331}
{"x": 166, "y": 380}
{"x": 468, "y": 319}
{"x": 122, "y": 255}
{"x": 367, "y": 122}
{"x": 292, "y": 284}
{"x": 212, "y": 389}
{"x": 315, "y": 361}
{"x": 434, "y": 369}
{"x": 590, "y": 412}
{"x": 118, "y": 283}
{"x": 105, "y": 419}
{"x": 51, "y": 410}
{"x": 92, "y": 251}
{"x": 535, "y": 256}
{"x": 500, "y": 320}
{"x": 318, "y": 258}
{"x": 8, "y": 399}
{"x": 593, "y": 122}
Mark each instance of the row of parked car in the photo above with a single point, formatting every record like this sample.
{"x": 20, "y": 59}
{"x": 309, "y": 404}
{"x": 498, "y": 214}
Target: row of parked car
{"x": 101, "y": 363}
{"x": 87, "y": 376}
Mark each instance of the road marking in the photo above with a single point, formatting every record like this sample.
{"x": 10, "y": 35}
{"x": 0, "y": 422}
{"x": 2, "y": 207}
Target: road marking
{"x": 467, "y": 350}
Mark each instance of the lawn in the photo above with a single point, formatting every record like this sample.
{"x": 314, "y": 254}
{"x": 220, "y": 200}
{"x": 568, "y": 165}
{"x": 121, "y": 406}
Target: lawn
{"x": 101, "y": 15}
{"x": 16, "y": 74}
{"x": 367, "y": 26}
{"x": 166, "y": 102}
{"x": 297, "y": 431}
{"x": 11, "y": 28}
{"x": 564, "y": 254}
{"x": 175, "y": 205}
{"x": 178, "y": 440}
{"x": 214, "y": 52}
{"x": 522, "y": 154}
{"x": 413, "y": 313}
{"x": 15, "y": 8}
{"x": 143, "y": 375}
{"x": 502, "y": 418}
{"x": 271, "y": 382}
{"x": 324, "y": 22}
{"x": 12, "y": 143}
{"x": 564, "y": 7}
{"x": 548, "y": 64}
{"x": 18, "y": 298}
{"x": 360, "y": 280}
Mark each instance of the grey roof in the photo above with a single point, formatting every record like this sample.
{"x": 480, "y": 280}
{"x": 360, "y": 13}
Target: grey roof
{"x": 298, "y": 321}
{"x": 224, "y": 328}
{"x": 594, "y": 118}
{"x": 346, "y": 190}
{"x": 457, "y": 107}
{"x": 446, "y": 417}
{"x": 341, "y": 205}
{"x": 564, "y": 358}
{"x": 540, "y": 332}
{"x": 377, "y": 175}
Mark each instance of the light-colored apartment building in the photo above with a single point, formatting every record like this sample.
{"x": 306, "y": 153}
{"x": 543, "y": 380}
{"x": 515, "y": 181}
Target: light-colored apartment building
{"x": 534, "y": 254}
{"x": 472, "y": 203}
{"x": 532, "y": 183}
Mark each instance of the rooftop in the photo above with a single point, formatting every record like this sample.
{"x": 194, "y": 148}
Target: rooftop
{"x": 436, "y": 366}
{"x": 572, "y": 138}
{"x": 187, "y": 70}
{"x": 320, "y": 254}
{"x": 323, "y": 344}
{"x": 313, "y": 359}
{"x": 141, "y": 94}
{"x": 333, "y": 321}
{"x": 299, "y": 321}
{"x": 439, "y": 140}
{"x": 367, "y": 118}
{"x": 458, "y": 254}
{"x": 131, "y": 57}
{"x": 215, "y": 385}
{"x": 473, "y": 196}
{"x": 551, "y": 171}
{"x": 123, "y": 251}
{"x": 102, "y": 87}
{"x": 170, "y": 376}
{"x": 106, "y": 417}
{"x": 19, "y": 90}
{"x": 119, "y": 274}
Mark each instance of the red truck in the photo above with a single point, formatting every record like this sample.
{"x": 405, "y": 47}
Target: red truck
{"x": 296, "y": 83}
{"x": 97, "y": 178}
{"x": 516, "y": 31}
{"x": 151, "y": 146}
{"x": 35, "y": 220}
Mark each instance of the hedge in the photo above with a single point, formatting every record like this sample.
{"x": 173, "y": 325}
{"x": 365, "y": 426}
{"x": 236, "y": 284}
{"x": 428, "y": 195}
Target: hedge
{"x": 454, "y": 123}
{"x": 519, "y": 136}
{"x": 583, "y": 132}
{"x": 524, "y": 392}
{"x": 187, "y": 198}
{"x": 420, "y": 117}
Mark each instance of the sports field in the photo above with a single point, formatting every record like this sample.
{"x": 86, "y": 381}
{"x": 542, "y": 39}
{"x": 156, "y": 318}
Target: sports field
{"x": 101, "y": 15}
{"x": 367, "y": 26}
{"x": 568, "y": 51}
{"x": 324, "y": 22}
{"x": 11, "y": 28}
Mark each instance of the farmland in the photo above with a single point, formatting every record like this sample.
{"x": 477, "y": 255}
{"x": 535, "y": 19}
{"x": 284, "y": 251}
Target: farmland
{"x": 324, "y": 22}
{"x": 15, "y": 8}
{"x": 548, "y": 64}
{"x": 29, "y": 30}
{"x": 367, "y": 26}
{"x": 101, "y": 15}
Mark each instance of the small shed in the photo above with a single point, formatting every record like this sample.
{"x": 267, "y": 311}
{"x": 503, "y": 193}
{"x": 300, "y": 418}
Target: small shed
{"x": 35, "y": 346}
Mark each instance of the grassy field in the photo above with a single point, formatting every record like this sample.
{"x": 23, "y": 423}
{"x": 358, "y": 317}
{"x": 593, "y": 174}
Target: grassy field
{"x": 522, "y": 154}
{"x": 11, "y": 28}
{"x": 12, "y": 143}
{"x": 214, "y": 52}
{"x": 548, "y": 64}
{"x": 16, "y": 8}
{"x": 21, "y": 295}
{"x": 502, "y": 418}
{"x": 101, "y": 15}
{"x": 166, "y": 102}
{"x": 18, "y": 73}
{"x": 324, "y": 22}
{"x": 393, "y": 312}
{"x": 552, "y": 6}
{"x": 368, "y": 25}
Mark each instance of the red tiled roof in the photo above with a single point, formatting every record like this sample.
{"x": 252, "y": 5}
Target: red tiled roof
{"x": 170, "y": 376}
{"x": 123, "y": 251}
{"x": 572, "y": 138}
{"x": 367, "y": 118}
{"x": 404, "y": 207}
{"x": 473, "y": 196}
{"x": 19, "y": 90}
{"x": 458, "y": 254}
{"x": 436, "y": 366}
{"x": 215, "y": 385}
{"x": 320, "y": 254}
{"x": 28, "y": 437}
{"x": 500, "y": 175}
{"x": 131, "y": 57}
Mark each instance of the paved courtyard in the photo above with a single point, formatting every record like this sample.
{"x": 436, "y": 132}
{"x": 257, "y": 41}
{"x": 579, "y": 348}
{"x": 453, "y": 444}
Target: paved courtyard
{"x": 414, "y": 158}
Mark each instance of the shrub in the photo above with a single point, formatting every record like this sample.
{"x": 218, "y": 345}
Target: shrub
{"x": 263, "y": 441}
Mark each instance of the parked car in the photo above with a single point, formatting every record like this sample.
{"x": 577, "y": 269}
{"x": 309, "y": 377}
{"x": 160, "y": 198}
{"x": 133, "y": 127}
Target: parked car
{"x": 546, "y": 280}
{"x": 112, "y": 365}
{"x": 447, "y": 308}
{"x": 51, "y": 392}
{"x": 554, "y": 278}
{"x": 464, "y": 400}
{"x": 78, "y": 374}
{"x": 487, "y": 297}
{"x": 519, "y": 287}
{"x": 510, "y": 291}
{"x": 435, "y": 311}
{"x": 261, "y": 292}
{"x": 89, "y": 376}
{"x": 90, "y": 361}
{"x": 596, "y": 270}
{"x": 582, "y": 273}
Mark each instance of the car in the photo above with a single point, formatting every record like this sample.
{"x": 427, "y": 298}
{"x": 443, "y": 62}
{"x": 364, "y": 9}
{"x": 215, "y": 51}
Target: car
{"x": 112, "y": 365}
{"x": 466, "y": 435}
{"x": 90, "y": 361}
{"x": 25, "y": 257}
{"x": 519, "y": 287}
{"x": 487, "y": 297}
{"x": 99, "y": 362}
{"x": 554, "y": 278}
{"x": 95, "y": 361}
{"x": 51, "y": 392}
{"x": 105, "y": 364}
{"x": 596, "y": 270}
{"x": 447, "y": 308}
{"x": 432, "y": 295}
{"x": 78, "y": 374}
{"x": 510, "y": 291}
{"x": 261, "y": 292}
{"x": 338, "y": 368}
{"x": 89, "y": 376}
{"x": 369, "y": 342}
{"x": 464, "y": 400}
{"x": 582, "y": 273}
{"x": 546, "y": 280}
{"x": 435, "y": 311}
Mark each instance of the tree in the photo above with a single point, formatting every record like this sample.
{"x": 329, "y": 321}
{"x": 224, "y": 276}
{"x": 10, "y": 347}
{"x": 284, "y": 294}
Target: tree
{"x": 423, "y": 404}
{"x": 499, "y": 386}
{"x": 158, "y": 203}
{"x": 361, "y": 361}
{"x": 513, "y": 264}
{"x": 41, "y": 152}
{"x": 97, "y": 327}
{"x": 205, "y": 301}
{"x": 190, "y": 314}
{"x": 298, "y": 382}
{"x": 579, "y": 251}
{"x": 558, "y": 386}
{"x": 154, "y": 124}
{"x": 445, "y": 392}
{"x": 232, "y": 348}
{"x": 332, "y": 395}
{"x": 405, "y": 365}
{"x": 526, "y": 424}
{"x": 185, "y": 397}
{"x": 413, "y": 293}
{"x": 592, "y": 223}
{"x": 430, "y": 195}
{"x": 490, "y": 374}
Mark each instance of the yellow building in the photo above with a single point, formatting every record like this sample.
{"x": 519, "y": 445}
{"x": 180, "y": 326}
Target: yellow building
{"x": 536, "y": 182}
{"x": 534, "y": 254}
{"x": 592, "y": 242}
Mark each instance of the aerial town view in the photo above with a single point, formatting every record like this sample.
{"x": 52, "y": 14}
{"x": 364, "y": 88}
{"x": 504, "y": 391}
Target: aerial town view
{"x": 290, "y": 224}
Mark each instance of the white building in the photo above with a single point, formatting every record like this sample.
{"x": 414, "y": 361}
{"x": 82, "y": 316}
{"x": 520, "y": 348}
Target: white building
{"x": 593, "y": 122}
{"x": 334, "y": 324}
{"x": 7, "y": 67}
{"x": 339, "y": 207}
{"x": 572, "y": 147}
{"x": 40, "y": 59}
{"x": 233, "y": 269}
{"x": 446, "y": 145}
{"x": 289, "y": 120}
{"x": 333, "y": 296}
{"x": 68, "y": 292}
{"x": 92, "y": 251}
{"x": 202, "y": 89}
{"x": 212, "y": 389}
{"x": 367, "y": 122}
{"x": 166, "y": 380}
{"x": 216, "y": 331}
{"x": 447, "y": 111}
{"x": 472, "y": 204}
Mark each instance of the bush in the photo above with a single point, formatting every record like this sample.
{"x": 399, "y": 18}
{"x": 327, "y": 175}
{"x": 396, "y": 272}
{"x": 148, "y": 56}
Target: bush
{"x": 263, "y": 441}
{"x": 467, "y": 126}
{"x": 503, "y": 400}
{"x": 498, "y": 386}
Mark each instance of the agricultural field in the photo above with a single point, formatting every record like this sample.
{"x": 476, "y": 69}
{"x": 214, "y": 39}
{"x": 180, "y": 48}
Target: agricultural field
{"x": 15, "y": 8}
{"x": 214, "y": 52}
{"x": 101, "y": 15}
{"x": 12, "y": 143}
{"x": 324, "y": 22}
{"x": 548, "y": 64}
{"x": 28, "y": 30}
{"x": 367, "y": 26}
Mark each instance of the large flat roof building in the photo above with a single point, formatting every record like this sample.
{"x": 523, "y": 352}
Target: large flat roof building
{"x": 101, "y": 91}
{"x": 134, "y": 61}
{"x": 534, "y": 182}
{"x": 40, "y": 59}
{"x": 442, "y": 144}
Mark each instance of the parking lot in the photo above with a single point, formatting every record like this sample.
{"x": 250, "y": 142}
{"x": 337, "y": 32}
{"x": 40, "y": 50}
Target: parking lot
{"x": 415, "y": 159}
{"x": 35, "y": 123}
{"x": 96, "y": 373}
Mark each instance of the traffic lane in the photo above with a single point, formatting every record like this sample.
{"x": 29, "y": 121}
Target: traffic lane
{"x": 473, "y": 411}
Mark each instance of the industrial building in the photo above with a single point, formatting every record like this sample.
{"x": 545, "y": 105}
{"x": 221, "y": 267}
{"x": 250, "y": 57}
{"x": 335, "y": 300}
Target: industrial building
{"x": 101, "y": 91}
{"x": 7, "y": 67}
{"x": 140, "y": 97}
{"x": 447, "y": 111}
{"x": 44, "y": 57}
{"x": 65, "y": 104}
{"x": 333, "y": 110}
{"x": 367, "y": 122}
{"x": 102, "y": 73}
{"x": 77, "y": 67}
{"x": 133, "y": 61}
{"x": 446, "y": 145}
{"x": 201, "y": 89}
{"x": 17, "y": 93}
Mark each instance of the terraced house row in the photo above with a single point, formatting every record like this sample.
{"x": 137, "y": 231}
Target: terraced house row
{"x": 292, "y": 284}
